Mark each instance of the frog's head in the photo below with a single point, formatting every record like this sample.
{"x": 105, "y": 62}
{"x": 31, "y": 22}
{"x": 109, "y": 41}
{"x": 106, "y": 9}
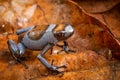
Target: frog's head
{"x": 63, "y": 32}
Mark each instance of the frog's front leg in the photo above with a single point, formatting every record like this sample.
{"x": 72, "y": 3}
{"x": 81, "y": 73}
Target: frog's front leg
{"x": 16, "y": 51}
{"x": 51, "y": 67}
{"x": 65, "y": 48}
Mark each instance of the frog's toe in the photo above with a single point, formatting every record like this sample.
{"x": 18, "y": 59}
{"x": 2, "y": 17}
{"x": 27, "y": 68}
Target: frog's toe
{"x": 55, "y": 70}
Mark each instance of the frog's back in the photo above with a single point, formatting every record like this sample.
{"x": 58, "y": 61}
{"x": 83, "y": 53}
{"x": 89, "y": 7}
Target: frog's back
{"x": 38, "y": 38}
{"x": 37, "y": 32}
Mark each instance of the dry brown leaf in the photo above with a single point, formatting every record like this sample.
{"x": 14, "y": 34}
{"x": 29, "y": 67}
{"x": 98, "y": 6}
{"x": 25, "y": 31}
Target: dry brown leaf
{"x": 97, "y": 6}
{"x": 92, "y": 40}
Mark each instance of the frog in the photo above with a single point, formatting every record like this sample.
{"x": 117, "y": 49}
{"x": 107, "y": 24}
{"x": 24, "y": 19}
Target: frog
{"x": 41, "y": 38}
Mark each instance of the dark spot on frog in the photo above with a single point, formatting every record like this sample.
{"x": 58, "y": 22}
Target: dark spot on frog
{"x": 37, "y": 32}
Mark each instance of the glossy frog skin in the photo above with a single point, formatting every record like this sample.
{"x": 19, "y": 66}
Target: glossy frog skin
{"x": 41, "y": 37}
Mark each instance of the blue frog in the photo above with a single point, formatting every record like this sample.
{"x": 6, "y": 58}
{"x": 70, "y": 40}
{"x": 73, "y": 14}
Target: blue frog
{"x": 41, "y": 37}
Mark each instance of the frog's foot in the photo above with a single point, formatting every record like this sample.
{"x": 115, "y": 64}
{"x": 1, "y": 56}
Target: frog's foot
{"x": 16, "y": 51}
{"x": 67, "y": 51}
{"x": 65, "y": 48}
{"x": 54, "y": 69}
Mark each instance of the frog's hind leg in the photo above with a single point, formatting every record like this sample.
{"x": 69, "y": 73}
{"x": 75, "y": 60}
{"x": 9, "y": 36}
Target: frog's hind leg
{"x": 16, "y": 51}
{"x": 24, "y": 30}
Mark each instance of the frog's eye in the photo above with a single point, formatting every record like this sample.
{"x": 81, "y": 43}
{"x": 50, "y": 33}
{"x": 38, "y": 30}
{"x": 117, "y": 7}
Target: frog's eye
{"x": 62, "y": 33}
